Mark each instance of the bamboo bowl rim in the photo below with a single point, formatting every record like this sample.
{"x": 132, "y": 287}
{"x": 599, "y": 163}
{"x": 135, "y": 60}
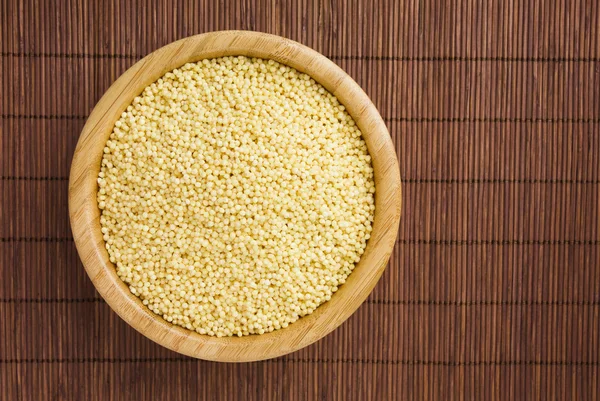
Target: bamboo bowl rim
{"x": 85, "y": 215}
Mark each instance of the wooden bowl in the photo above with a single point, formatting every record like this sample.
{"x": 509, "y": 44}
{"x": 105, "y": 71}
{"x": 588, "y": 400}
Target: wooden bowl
{"x": 85, "y": 214}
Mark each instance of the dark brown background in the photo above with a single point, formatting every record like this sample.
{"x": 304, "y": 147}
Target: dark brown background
{"x": 493, "y": 290}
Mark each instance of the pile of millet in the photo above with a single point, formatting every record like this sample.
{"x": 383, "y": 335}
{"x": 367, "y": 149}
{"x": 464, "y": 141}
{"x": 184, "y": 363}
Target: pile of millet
{"x": 236, "y": 196}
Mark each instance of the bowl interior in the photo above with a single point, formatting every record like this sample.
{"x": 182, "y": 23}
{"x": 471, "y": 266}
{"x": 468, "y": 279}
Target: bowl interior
{"x": 85, "y": 214}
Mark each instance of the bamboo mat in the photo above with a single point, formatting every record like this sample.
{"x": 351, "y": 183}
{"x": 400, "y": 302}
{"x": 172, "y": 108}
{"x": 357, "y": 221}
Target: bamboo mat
{"x": 493, "y": 290}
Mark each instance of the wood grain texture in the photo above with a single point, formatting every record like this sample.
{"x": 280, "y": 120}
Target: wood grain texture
{"x": 85, "y": 214}
{"x": 493, "y": 288}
